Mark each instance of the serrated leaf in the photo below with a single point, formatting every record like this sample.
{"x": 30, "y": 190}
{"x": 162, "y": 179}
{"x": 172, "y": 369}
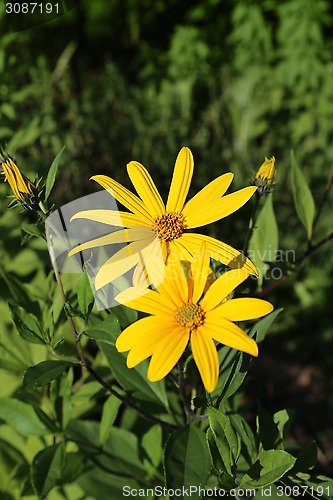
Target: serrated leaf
{"x": 109, "y": 415}
{"x": 303, "y": 199}
{"x": 186, "y": 460}
{"x": 43, "y": 373}
{"x": 27, "y": 325}
{"x": 51, "y": 176}
{"x": 270, "y": 467}
{"x": 46, "y": 468}
{"x": 22, "y": 417}
{"x": 106, "y": 331}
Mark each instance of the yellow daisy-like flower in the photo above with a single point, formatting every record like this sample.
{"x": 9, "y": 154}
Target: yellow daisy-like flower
{"x": 181, "y": 312}
{"x": 23, "y": 189}
{"x": 153, "y": 227}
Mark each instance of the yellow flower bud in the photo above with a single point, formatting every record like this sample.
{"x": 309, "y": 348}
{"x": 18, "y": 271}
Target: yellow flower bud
{"x": 265, "y": 176}
{"x": 23, "y": 189}
{"x": 267, "y": 171}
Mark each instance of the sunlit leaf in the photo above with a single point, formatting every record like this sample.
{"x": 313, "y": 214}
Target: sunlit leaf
{"x": 270, "y": 466}
{"x": 51, "y": 176}
{"x": 303, "y": 199}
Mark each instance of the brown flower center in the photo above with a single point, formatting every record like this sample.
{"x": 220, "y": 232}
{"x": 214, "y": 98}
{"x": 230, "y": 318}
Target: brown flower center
{"x": 191, "y": 316}
{"x": 170, "y": 226}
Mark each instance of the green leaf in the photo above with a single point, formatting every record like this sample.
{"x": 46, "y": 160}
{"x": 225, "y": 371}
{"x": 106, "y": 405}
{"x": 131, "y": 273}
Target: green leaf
{"x": 27, "y": 325}
{"x": 306, "y": 459}
{"x": 46, "y": 468}
{"x": 270, "y": 436}
{"x": 51, "y": 176}
{"x": 152, "y": 444}
{"x": 75, "y": 464}
{"x": 225, "y": 437}
{"x": 120, "y": 453}
{"x": 43, "y": 373}
{"x": 247, "y": 437}
{"x": 283, "y": 420}
{"x": 264, "y": 242}
{"x": 109, "y": 414}
{"x": 125, "y": 315}
{"x": 85, "y": 295}
{"x": 22, "y": 417}
{"x": 270, "y": 467}
{"x": 61, "y": 397}
{"x": 134, "y": 380}
{"x": 186, "y": 460}
{"x": 33, "y": 230}
{"x": 106, "y": 331}
{"x": 303, "y": 199}
{"x": 261, "y": 328}
{"x": 321, "y": 486}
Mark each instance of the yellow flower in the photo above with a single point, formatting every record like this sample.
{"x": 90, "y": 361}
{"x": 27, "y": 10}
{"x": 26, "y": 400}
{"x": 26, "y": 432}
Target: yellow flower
{"x": 181, "y": 312}
{"x": 23, "y": 189}
{"x": 154, "y": 228}
{"x": 265, "y": 175}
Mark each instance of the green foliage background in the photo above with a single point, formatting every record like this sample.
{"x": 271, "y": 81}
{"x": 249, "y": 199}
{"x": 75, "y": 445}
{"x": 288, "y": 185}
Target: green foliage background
{"x": 113, "y": 81}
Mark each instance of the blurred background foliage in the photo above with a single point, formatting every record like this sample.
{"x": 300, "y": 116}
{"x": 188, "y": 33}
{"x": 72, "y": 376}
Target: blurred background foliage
{"x": 234, "y": 80}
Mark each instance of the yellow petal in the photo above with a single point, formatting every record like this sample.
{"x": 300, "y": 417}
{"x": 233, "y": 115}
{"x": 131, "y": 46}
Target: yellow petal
{"x": 243, "y": 309}
{"x": 120, "y": 262}
{"x": 112, "y": 217}
{"x": 219, "y": 251}
{"x": 210, "y": 194}
{"x": 124, "y": 196}
{"x": 140, "y": 338}
{"x": 146, "y": 188}
{"x": 229, "y": 334}
{"x": 148, "y": 342}
{"x": 167, "y": 352}
{"x": 149, "y": 302}
{"x": 205, "y": 357}
{"x": 158, "y": 276}
{"x": 181, "y": 180}
{"x": 221, "y": 288}
{"x": 121, "y": 236}
{"x": 178, "y": 250}
{"x": 198, "y": 274}
{"x": 175, "y": 275}
{"x": 227, "y": 205}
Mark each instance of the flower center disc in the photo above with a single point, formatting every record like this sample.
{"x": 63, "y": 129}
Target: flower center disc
{"x": 191, "y": 316}
{"x": 170, "y": 226}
